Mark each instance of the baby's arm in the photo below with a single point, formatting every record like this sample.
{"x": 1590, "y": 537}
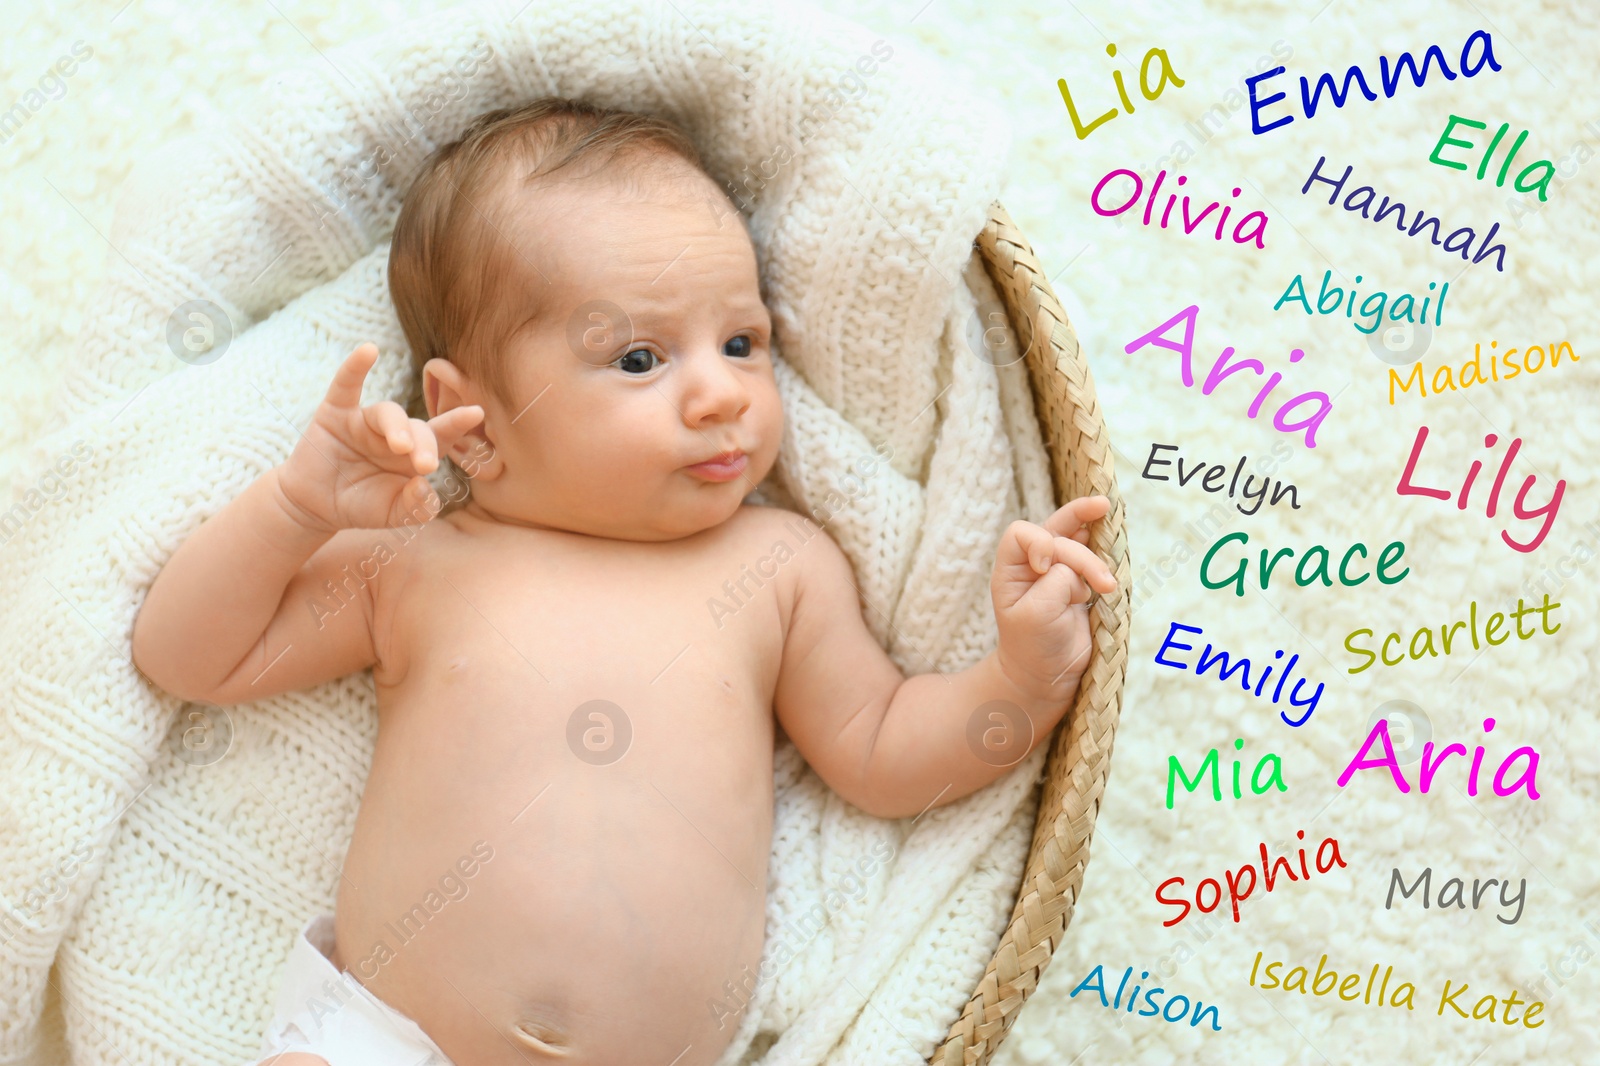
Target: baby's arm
{"x": 229, "y": 618}
{"x": 895, "y": 746}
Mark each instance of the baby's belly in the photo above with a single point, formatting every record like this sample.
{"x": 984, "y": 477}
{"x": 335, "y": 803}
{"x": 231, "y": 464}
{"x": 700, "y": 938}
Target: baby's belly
{"x": 578, "y": 864}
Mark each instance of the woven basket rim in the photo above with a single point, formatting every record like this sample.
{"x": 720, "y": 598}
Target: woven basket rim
{"x": 1075, "y": 775}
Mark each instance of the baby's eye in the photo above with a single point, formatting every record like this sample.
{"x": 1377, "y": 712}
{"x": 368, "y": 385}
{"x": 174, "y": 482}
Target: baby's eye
{"x": 638, "y": 361}
{"x": 738, "y": 347}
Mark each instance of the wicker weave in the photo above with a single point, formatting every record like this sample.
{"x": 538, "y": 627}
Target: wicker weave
{"x": 1080, "y": 755}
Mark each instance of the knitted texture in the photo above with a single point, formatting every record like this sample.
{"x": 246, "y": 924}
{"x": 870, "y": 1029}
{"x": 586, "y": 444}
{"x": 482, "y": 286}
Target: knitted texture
{"x": 165, "y": 886}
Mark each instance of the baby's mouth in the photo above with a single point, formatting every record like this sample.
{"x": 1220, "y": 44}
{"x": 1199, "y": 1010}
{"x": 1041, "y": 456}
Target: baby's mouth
{"x": 722, "y": 467}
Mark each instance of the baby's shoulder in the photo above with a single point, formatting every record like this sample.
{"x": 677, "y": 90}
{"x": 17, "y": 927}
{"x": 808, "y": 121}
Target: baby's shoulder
{"x": 777, "y": 540}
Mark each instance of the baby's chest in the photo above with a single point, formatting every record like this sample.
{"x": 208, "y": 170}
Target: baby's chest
{"x": 689, "y": 629}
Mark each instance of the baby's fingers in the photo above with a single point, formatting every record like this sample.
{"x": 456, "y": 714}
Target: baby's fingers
{"x": 1071, "y": 517}
{"x": 416, "y": 499}
{"x": 345, "y": 389}
{"x": 424, "y": 448}
{"x": 403, "y": 435}
{"x": 1025, "y": 545}
{"x": 448, "y": 427}
{"x": 1062, "y": 585}
{"x": 1085, "y": 563}
{"x": 389, "y": 421}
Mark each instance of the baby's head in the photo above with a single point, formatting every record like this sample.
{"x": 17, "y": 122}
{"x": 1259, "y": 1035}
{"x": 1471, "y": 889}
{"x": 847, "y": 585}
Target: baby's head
{"x": 576, "y": 273}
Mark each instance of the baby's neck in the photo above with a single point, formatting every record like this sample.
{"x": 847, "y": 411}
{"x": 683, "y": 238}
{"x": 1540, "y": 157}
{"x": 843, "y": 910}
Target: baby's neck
{"x": 474, "y": 511}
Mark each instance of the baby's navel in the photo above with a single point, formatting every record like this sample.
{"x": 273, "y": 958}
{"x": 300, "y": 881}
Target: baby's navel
{"x": 458, "y": 663}
{"x": 542, "y": 1037}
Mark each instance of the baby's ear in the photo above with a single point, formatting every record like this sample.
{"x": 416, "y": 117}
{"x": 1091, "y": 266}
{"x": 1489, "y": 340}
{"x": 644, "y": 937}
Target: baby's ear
{"x": 444, "y": 388}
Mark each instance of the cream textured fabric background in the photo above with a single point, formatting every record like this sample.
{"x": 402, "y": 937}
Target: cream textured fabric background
{"x": 168, "y": 939}
{"x": 149, "y": 81}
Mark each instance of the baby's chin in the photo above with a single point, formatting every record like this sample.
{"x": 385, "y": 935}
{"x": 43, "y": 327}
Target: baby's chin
{"x": 685, "y": 516}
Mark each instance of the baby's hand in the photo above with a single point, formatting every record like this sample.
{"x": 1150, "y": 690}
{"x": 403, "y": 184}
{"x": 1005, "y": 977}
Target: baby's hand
{"x": 361, "y": 467}
{"x": 1042, "y": 578}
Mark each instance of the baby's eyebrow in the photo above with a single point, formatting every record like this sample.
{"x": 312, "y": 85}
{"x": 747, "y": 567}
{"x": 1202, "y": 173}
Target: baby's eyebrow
{"x": 756, "y": 307}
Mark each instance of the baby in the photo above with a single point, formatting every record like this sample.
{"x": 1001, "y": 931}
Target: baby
{"x": 567, "y": 743}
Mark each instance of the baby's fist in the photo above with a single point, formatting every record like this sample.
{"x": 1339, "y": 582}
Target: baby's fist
{"x": 1042, "y": 579}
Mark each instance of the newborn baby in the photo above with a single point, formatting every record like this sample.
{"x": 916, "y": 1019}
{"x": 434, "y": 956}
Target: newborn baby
{"x": 567, "y": 738}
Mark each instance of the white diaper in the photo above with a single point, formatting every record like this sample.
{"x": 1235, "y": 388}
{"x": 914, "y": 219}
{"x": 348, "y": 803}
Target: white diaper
{"x": 331, "y": 1014}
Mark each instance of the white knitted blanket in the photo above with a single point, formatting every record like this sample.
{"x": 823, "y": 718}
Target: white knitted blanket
{"x": 150, "y": 887}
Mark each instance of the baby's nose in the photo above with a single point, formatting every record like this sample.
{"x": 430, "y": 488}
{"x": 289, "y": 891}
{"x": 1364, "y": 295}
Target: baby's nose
{"x": 713, "y": 390}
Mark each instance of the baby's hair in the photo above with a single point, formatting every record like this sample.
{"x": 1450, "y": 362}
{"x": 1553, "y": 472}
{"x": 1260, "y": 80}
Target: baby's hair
{"x": 453, "y": 252}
